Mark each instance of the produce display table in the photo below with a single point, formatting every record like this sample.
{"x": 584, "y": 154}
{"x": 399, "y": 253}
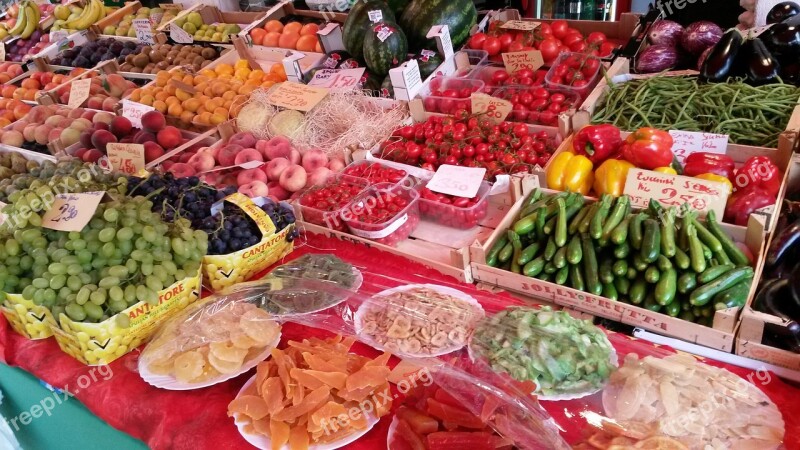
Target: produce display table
{"x": 198, "y": 419}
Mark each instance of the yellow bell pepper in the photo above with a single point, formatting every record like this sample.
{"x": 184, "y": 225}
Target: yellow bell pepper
{"x": 570, "y": 172}
{"x": 610, "y": 177}
{"x": 718, "y": 178}
{"x": 665, "y": 169}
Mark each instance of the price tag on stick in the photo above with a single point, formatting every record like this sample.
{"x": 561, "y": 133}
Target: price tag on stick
{"x": 297, "y": 96}
{"x": 496, "y": 109}
{"x": 134, "y": 111}
{"x": 126, "y": 158}
{"x": 685, "y": 143}
{"x": 457, "y": 180}
{"x": 675, "y": 190}
{"x": 144, "y": 31}
{"x": 516, "y": 61}
{"x": 71, "y": 212}
{"x": 79, "y": 92}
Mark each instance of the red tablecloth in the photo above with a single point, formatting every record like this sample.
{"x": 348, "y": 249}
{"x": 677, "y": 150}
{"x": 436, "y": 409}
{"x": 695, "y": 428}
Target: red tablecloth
{"x": 197, "y": 420}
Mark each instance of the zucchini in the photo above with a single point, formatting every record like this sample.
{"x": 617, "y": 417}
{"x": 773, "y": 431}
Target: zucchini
{"x": 593, "y": 284}
{"x": 576, "y": 278}
{"x": 622, "y": 284}
{"x": 621, "y": 250}
{"x": 534, "y": 267}
{"x": 666, "y": 287}
{"x": 735, "y": 254}
{"x": 637, "y": 291}
{"x": 668, "y": 245}
{"x": 574, "y": 252}
{"x": 687, "y": 282}
{"x": 561, "y": 224}
{"x": 550, "y": 268}
{"x": 561, "y": 276}
{"x": 529, "y": 253}
{"x": 578, "y": 219}
{"x": 712, "y": 273}
{"x": 616, "y": 216}
{"x": 494, "y": 252}
{"x": 620, "y": 267}
{"x": 702, "y": 295}
{"x": 651, "y": 304}
{"x": 733, "y": 297}
{"x": 673, "y": 309}
{"x": 635, "y": 231}
{"x": 638, "y": 263}
{"x": 610, "y": 291}
{"x": 549, "y": 249}
{"x": 651, "y": 241}
{"x": 583, "y": 227}
{"x": 560, "y": 258}
{"x": 682, "y": 259}
{"x": 652, "y": 275}
{"x": 695, "y": 250}
{"x": 506, "y": 253}
{"x": 620, "y": 232}
{"x": 517, "y": 246}
{"x": 599, "y": 218}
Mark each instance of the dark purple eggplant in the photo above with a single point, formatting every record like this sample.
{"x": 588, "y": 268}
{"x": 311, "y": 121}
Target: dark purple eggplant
{"x": 774, "y": 298}
{"x": 783, "y": 40}
{"x": 794, "y": 284}
{"x": 760, "y": 66}
{"x": 720, "y": 63}
{"x": 790, "y": 73}
{"x": 782, "y": 11}
{"x": 784, "y": 243}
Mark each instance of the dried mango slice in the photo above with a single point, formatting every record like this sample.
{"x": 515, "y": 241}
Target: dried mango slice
{"x": 298, "y": 395}
{"x": 317, "y": 363}
{"x": 284, "y": 365}
{"x": 305, "y": 380}
{"x": 189, "y": 366}
{"x": 311, "y": 402}
{"x": 264, "y": 370}
{"x": 261, "y": 426}
{"x": 325, "y": 416}
{"x": 272, "y": 392}
{"x": 278, "y": 434}
{"x": 298, "y": 439}
{"x": 334, "y": 380}
{"x": 252, "y": 406}
{"x": 226, "y": 351}
{"x": 368, "y": 376}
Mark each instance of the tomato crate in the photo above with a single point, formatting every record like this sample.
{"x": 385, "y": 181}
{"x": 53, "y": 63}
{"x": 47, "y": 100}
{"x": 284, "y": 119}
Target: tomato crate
{"x": 720, "y": 336}
{"x": 446, "y": 95}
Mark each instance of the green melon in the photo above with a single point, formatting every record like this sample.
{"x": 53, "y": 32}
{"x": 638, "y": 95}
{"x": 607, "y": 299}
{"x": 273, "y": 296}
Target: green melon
{"x": 358, "y": 22}
{"x": 420, "y": 15}
{"x": 384, "y": 47}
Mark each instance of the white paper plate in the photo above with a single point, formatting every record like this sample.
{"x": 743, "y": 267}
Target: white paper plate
{"x": 263, "y": 442}
{"x": 362, "y": 310}
{"x": 171, "y": 383}
{"x": 566, "y": 395}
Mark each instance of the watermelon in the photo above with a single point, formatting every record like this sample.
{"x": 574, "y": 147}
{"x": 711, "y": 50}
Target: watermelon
{"x": 384, "y": 47}
{"x": 370, "y": 82}
{"x": 398, "y": 6}
{"x": 358, "y": 23}
{"x": 428, "y": 63}
{"x": 387, "y": 88}
{"x": 420, "y": 15}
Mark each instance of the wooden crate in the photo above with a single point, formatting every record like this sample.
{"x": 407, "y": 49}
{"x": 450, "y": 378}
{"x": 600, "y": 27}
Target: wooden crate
{"x": 755, "y": 325}
{"x": 51, "y": 97}
{"x": 720, "y": 336}
{"x": 286, "y": 8}
{"x": 211, "y": 14}
{"x": 116, "y": 17}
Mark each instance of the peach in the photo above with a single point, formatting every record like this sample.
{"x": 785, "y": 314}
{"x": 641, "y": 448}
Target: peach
{"x": 185, "y": 157}
{"x": 55, "y": 121}
{"x": 202, "y": 161}
{"x": 247, "y": 155}
{"x": 102, "y": 117}
{"x": 65, "y": 123}
{"x": 182, "y": 170}
{"x": 275, "y": 190}
{"x": 76, "y": 113}
{"x": 88, "y": 114}
{"x": 275, "y": 167}
{"x": 153, "y": 121}
{"x": 95, "y": 102}
{"x": 293, "y": 178}
{"x": 167, "y": 164}
{"x": 101, "y": 138}
{"x": 101, "y": 126}
{"x": 81, "y": 124}
{"x": 120, "y": 126}
{"x": 70, "y": 136}
{"x": 39, "y": 113}
{"x": 277, "y": 147}
{"x": 254, "y": 189}
{"x": 314, "y": 159}
{"x": 109, "y": 103}
{"x": 245, "y": 139}
{"x": 41, "y": 134}
{"x": 318, "y": 176}
{"x": 80, "y": 152}
{"x": 29, "y": 132}
{"x": 116, "y": 84}
{"x": 143, "y": 136}
{"x": 54, "y": 135}
{"x": 169, "y": 137}
{"x": 336, "y": 165}
{"x": 294, "y": 156}
{"x": 92, "y": 155}
{"x": 152, "y": 151}
{"x": 12, "y": 138}
{"x": 227, "y": 154}
{"x": 250, "y": 175}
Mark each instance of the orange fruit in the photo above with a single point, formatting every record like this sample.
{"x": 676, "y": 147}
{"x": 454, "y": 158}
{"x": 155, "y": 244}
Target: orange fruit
{"x": 288, "y": 40}
{"x": 271, "y": 39}
{"x": 274, "y": 26}
{"x": 30, "y": 95}
{"x": 292, "y": 27}
{"x": 309, "y": 29}
{"x": 203, "y": 118}
{"x": 268, "y": 84}
{"x": 257, "y": 34}
{"x": 30, "y": 83}
{"x": 277, "y": 69}
{"x": 307, "y": 43}
{"x": 187, "y": 116}
{"x": 245, "y": 89}
{"x": 318, "y": 47}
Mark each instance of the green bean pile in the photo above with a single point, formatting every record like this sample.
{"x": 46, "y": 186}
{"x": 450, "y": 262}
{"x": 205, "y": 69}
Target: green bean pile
{"x": 749, "y": 115}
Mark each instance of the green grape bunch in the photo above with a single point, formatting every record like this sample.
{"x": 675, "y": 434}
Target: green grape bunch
{"x": 30, "y": 195}
{"x": 126, "y": 254}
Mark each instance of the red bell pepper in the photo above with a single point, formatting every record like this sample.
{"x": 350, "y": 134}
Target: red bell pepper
{"x": 648, "y": 148}
{"x": 460, "y": 440}
{"x": 744, "y": 202}
{"x": 702, "y": 162}
{"x": 597, "y": 142}
{"x": 759, "y": 171}
{"x": 453, "y": 414}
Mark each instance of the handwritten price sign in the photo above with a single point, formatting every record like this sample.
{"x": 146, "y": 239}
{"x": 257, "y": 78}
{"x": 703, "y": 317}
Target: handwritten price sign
{"x": 521, "y": 25}
{"x": 79, "y": 92}
{"x": 144, "y": 31}
{"x": 516, "y": 61}
{"x": 675, "y": 190}
{"x": 134, "y": 111}
{"x": 685, "y": 143}
{"x": 496, "y": 109}
{"x": 179, "y": 35}
{"x": 337, "y": 80}
{"x": 297, "y": 96}
{"x": 71, "y": 212}
{"x": 457, "y": 180}
{"x": 126, "y": 158}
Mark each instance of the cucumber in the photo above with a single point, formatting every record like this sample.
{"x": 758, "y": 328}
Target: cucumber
{"x": 733, "y": 297}
{"x": 687, "y": 282}
{"x": 632, "y": 273}
{"x": 561, "y": 224}
{"x": 622, "y": 284}
{"x": 529, "y": 253}
{"x": 517, "y": 245}
{"x": 702, "y": 295}
{"x": 651, "y": 241}
{"x": 638, "y": 263}
{"x": 620, "y": 267}
{"x": 576, "y": 278}
{"x": 635, "y": 231}
{"x": 606, "y": 274}
{"x": 666, "y": 287}
{"x": 687, "y": 316}
{"x": 616, "y": 216}
{"x": 506, "y": 253}
{"x": 652, "y": 275}
{"x": 534, "y": 267}
{"x": 583, "y": 227}
{"x": 578, "y": 219}
{"x": 560, "y": 258}
{"x": 491, "y": 257}
{"x": 533, "y": 197}
{"x": 524, "y": 226}
{"x": 593, "y": 284}
{"x": 610, "y": 291}
{"x": 574, "y": 252}
{"x": 663, "y": 263}
{"x": 712, "y": 273}
{"x": 561, "y": 276}
{"x": 621, "y": 250}
{"x": 706, "y": 237}
{"x": 682, "y": 259}
{"x": 651, "y": 304}
{"x": 549, "y": 249}
{"x": 538, "y": 225}
{"x": 638, "y": 291}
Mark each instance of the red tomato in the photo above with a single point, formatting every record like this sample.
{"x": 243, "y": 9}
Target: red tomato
{"x": 499, "y": 77}
{"x": 571, "y": 38}
{"x": 492, "y": 46}
{"x": 559, "y": 28}
{"x": 590, "y": 67}
{"x": 549, "y": 49}
{"x": 606, "y": 48}
{"x": 505, "y": 41}
{"x": 544, "y": 29}
{"x": 515, "y": 46}
{"x": 578, "y": 46}
{"x": 571, "y": 30}
{"x": 476, "y": 41}
{"x": 596, "y": 37}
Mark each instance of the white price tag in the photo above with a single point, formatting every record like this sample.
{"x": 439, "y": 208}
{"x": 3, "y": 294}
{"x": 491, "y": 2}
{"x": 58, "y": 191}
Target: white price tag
{"x": 179, "y": 35}
{"x": 375, "y": 15}
{"x": 337, "y": 80}
{"x": 134, "y": 111}
{"x": 442, "y": 35}
{"x": 457, "y": 180}
{"x": 79, "y": 92}
{"x": 71, "y": 212}
{"x": 685, "y": 143}
{"x": 144, "y": 31}
{"x": 676, "y": 190}
{"x": 384, "y": 34}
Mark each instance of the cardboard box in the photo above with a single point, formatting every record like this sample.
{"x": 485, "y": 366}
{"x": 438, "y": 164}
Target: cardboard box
{"x": 212, "y": 14}
{"x": 116, "y": 17}
{"x": 720, "y": 336}
{"x": 26, "y": 318}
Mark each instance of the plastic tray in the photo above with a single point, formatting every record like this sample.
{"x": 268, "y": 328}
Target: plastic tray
{"x": 582, "y": 92}
{"x": 477, "y": 59}
{"x": 453, "y": 216}
{"x": 437, "y": 100}
{"x": 403, "y": 180}
{"x": 571, "y": 100}
{"x": 329, "y": 219}
{"x": 391, "y": 231}
{"x": 487, "y": 73}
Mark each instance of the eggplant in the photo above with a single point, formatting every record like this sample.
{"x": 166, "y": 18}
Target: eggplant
{"x": 782, "y": 11}
{"x": 783, "y": 40}
{"x": 794, "y": 284}
{"x": 784, "y": 243}
{"x": 790, "y": 73}
{"x": 760, "y": 66}
{"x": 771, "y": 299}
{"x": 721, "y": 62}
